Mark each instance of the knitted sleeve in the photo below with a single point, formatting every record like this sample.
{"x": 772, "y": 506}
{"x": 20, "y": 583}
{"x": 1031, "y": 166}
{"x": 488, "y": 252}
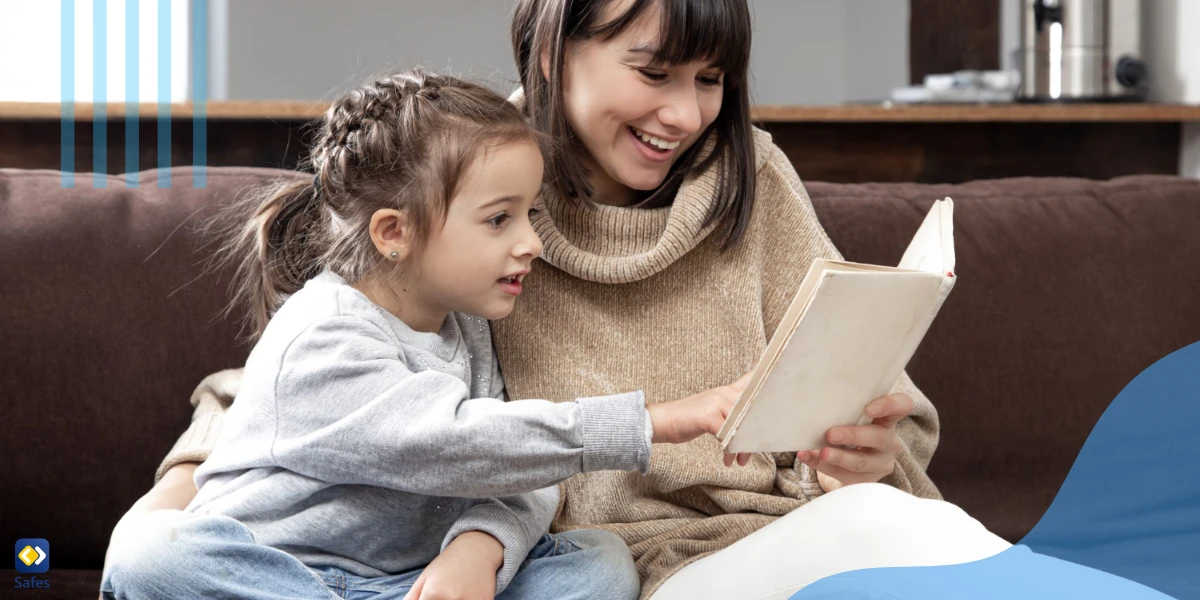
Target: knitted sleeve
{"x": 210, "y": 399}
{"x": 793, "y": 238}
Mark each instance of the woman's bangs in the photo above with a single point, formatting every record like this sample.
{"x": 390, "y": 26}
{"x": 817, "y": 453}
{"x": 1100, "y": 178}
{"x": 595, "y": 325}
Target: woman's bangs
{"x": 715, "y": 32}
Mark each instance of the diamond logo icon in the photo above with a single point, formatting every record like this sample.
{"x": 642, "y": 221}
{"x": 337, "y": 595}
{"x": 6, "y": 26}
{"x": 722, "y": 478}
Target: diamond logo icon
{"x": 32, "y": 555}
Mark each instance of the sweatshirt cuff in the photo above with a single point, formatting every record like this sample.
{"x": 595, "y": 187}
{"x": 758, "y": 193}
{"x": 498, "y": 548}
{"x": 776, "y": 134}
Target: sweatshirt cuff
{"x": 502, "y": 524}
{"x": 615, "y": 436}
{"x": 195, "y": 444}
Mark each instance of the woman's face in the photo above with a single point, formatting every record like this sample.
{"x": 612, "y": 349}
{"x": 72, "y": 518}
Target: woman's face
{"x": 634, "y": 117}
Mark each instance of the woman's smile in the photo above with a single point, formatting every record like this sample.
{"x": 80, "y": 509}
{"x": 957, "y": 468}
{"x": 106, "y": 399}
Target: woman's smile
{"x": 653, "y": 148}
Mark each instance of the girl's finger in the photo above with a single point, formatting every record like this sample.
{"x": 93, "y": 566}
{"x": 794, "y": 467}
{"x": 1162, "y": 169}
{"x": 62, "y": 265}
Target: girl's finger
{"x": 727, "y": 459}
{"x": 743, "y": 458}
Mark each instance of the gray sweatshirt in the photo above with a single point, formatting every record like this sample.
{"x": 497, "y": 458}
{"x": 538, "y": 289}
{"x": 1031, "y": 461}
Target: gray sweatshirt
{"x": 358, "y": 443}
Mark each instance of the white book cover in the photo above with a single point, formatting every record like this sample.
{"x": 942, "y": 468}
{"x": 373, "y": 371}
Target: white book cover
{"x": 843, "y": 342}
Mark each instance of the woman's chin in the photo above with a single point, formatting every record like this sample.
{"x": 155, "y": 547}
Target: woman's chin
{"x": 644, "y": 181}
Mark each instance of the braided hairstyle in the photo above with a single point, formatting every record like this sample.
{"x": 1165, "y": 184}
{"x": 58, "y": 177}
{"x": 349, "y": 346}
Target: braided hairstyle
{"x": 402, "y": 141}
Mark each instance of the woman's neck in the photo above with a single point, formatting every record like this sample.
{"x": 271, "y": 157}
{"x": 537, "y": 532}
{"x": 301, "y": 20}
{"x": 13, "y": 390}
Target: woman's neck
{"x": 403, "y": 304}
{"x": 606, "y": 190}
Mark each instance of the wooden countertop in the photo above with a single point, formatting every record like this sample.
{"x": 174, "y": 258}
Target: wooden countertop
{"x": 1014, "y": 113}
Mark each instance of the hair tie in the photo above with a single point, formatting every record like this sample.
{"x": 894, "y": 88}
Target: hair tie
{"x": 316, "y": 185}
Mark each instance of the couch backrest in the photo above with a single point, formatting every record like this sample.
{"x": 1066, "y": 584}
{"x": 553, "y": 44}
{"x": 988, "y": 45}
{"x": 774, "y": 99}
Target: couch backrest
{"x": 105, "y": 328}
{"x": 1067, "y": 290}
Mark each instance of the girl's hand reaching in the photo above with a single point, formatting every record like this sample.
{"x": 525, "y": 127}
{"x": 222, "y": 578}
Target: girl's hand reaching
{"x": 465, "y": 570}
{"x": 686, "y": 419}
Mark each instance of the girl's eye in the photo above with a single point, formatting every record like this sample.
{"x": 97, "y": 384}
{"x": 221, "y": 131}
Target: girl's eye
{"x": 652, "y": 75}
{"x": 497, "y": 221}
{"x": 711, "y": 81}
{"x": 533, "y": 212}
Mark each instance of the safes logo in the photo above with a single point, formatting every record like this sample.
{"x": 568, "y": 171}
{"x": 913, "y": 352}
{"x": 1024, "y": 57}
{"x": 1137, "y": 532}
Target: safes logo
{"x": 32, "y": 555}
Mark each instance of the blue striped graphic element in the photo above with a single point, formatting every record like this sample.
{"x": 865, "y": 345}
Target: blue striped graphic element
{"x": 99, "y": 92}
{"x": 67, "y": 94}
{"x": 132, "y": 52}
{"x": 199, "y": 93}
{"x": 164, "y": 93}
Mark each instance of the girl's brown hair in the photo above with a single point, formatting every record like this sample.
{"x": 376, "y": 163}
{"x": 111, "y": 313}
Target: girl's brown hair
{"x": 716, "y": 31}
{"x": 403, "y": 141}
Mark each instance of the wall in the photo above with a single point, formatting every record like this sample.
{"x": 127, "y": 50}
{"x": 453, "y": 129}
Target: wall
{"x": 805, "y": 51}
{"x": 1173, "y": 53}
{"x": 309, "y": 49}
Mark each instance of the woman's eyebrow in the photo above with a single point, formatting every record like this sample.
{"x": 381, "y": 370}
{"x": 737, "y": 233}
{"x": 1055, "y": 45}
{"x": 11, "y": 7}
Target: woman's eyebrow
{"x": 653, "y": 52}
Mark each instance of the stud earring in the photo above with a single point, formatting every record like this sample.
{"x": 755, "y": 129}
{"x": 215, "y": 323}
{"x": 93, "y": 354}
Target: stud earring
{"x": 395, "y": 255}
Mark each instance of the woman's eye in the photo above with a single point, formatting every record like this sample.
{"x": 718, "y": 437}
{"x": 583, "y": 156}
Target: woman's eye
{"x": 653, "y": 75}
{"x": 497, "y": 221}
{"x": 711, "y": 81}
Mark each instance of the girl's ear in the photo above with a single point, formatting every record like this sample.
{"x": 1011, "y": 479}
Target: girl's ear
{"x": 391, "y": 233}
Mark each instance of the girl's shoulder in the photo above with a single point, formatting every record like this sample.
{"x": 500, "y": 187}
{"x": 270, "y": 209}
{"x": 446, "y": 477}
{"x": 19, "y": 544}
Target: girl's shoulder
{"x": 328, "y": 304}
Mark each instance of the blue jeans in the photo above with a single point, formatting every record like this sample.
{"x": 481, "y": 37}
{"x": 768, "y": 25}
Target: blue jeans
{"x": 182, "y": 555}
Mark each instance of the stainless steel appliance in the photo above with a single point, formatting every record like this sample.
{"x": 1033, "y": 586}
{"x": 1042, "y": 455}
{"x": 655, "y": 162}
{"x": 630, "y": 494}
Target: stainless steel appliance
{"x": 1081, "y": 50}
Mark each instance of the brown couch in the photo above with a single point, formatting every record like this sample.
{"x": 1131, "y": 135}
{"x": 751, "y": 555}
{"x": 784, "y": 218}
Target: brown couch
{"x": 1067, "y": 290}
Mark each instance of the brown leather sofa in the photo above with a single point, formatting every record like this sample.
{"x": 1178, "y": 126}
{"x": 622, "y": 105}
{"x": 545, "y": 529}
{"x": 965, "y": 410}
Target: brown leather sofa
{"x": 1067, "y": 289}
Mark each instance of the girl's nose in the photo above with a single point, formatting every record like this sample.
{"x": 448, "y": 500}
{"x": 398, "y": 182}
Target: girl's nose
{"x": 530, "y": 244}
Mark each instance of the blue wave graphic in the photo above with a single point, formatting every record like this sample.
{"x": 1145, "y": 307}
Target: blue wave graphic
{"x": 1126, "y": 523}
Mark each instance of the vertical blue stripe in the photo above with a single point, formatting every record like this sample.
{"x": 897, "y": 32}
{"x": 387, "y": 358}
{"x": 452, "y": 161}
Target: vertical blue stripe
{"x": 67, "y": 94}
{"x": 100, "y": 92}
{"x": 199, "y": 92}
{"x": 132, "y": 80}
{"x": 164, "y": 93}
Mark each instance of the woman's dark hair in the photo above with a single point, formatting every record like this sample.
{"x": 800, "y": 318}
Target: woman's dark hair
{"x": 402, "y": 141}
{"x": 713, "y": 31}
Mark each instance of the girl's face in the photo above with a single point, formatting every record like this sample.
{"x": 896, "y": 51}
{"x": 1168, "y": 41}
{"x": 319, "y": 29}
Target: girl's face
{"x": 634, "y": 117}
{"x": 475, "y": 263}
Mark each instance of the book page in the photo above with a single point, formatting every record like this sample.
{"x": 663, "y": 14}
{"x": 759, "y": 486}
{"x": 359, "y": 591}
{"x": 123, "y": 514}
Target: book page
{"x": 932, "y": 248}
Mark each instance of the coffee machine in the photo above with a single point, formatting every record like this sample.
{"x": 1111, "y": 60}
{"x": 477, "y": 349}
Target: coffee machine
{"x": 1081, "y": 51}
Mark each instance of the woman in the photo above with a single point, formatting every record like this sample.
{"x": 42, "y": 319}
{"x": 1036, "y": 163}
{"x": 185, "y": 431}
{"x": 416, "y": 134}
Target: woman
{"x": 675, "y": 235}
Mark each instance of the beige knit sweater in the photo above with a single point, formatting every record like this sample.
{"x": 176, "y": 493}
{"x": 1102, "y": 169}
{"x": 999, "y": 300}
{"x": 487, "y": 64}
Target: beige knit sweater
{"x": 628, "y": 299}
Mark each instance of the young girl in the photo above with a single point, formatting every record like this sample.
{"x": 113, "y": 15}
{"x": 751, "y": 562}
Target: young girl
{"x": 371, "y": 452}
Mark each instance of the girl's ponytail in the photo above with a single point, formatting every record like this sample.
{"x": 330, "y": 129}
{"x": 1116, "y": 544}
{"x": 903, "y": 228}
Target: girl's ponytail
{"x": 273, "y": 240}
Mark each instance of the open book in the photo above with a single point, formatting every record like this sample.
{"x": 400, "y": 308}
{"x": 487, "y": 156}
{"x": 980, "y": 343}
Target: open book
{"x": 843, "y": 342}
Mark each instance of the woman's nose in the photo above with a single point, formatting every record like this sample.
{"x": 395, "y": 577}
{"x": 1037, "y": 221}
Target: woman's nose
{"x": 682, "y": 110}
